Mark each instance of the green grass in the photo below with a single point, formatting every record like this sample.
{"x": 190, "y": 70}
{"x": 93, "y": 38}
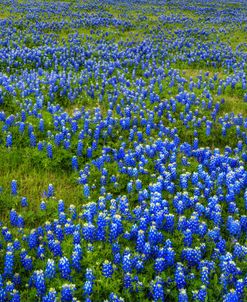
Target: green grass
{"x": 33, "y": 174}
{"x": 233, "y": 104}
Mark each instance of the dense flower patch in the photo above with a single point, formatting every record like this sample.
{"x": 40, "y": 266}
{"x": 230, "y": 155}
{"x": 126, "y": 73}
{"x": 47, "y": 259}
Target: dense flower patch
{"x": 141, "y": 107}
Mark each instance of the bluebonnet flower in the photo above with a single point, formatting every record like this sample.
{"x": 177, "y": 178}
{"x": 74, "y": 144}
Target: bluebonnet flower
{"x": 88, "y": 285}
{"x": 154, "y": 236}
{"x": 9, "y": 264}
{"x": 182, "y": 296}
{"x": 205, "y": 276}
{"x": 130, "y": 186}
{"x": 49, "y": 150}
{"x": 74, "y": 126}
{"x": 89, "y": 152}
{"x": 22, "y": 126}
{"x": 159, "y": 265}
{"x": 61, "y": 207}
{"x": 107, "y": 269}
{"x": 127, "y": 263}
{"x": 202, "y": 231}
{"x": 62, "y": 218}
{"x": 39, "y": 282}
{"x": 9, "y": 140}
{"x": 79, "y": 148}
{"x": 180, "y": 277}
{"x": 193, "y": 256}
{"x": 51, "y": 296}
{"x": 14, "y": 187}
{"x": 13, "y": 216}
{"x": 9, "y": 287}
{"x": 68, "y": 228}
{"x": 88, "y": 231}
{"x": 188, "y": 237}
{"x": 76, "y": 261}
{"x": 88, "y": 288}
{"x": 117, "y": 258}
{"x": 50, "y": 235}
{"x": 202, "y": 293}
{"x": 41, "y": 252}
{"x": 76, "y": 237}
{"x": 90, "y": 247}
{"x": 50, "y": 191}
{"x": 17, "y": 280}
{"x": 43, "y": 205}
{"x": 127, "y": 281}
{"x": 89, "y": 275}
{"x": 64, "y": 268}
{"x": 59, "y": 233}
{"x": 23, "y": 254}
{"x": 158, "y": 289}
{"x": 240, "y": 286}
{"x": 72, "y": 210}
{"x": 27, "y": 263}
{"x": 74, "y": 162}
{"x": 113, "y": 232}
{"x": 140, "y": 240}
{"x": 3, "y": 294}
{"x": 40, "y": 146}
{"x": 114, "y": 298}
{"x": 32, "y": 139}
{"x": 7, "y": 235}
{"x": 41, "y": 125}
{"x": 233, "y": 226}
{"x": 15, "y": 296}
{"x": 86, "y": 190}
{"x": 138, "y": 185}
{"x": 55, "y": 247}
{"x": 33, "y": 239}
{"x": 231, "y": 296}
{"x": 24, "y": 202}
{"x": 170, "y": 256}
{"x": 169, "y": 222}
{"x": 67, "y": 292}
{"x": 50, "y": 270}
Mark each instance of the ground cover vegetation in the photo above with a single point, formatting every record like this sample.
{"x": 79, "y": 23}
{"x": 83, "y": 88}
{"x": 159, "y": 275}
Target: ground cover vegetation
{"x": 123, "y": 159}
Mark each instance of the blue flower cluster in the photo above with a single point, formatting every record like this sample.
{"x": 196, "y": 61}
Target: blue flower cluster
{"x": 143, "y": 105}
